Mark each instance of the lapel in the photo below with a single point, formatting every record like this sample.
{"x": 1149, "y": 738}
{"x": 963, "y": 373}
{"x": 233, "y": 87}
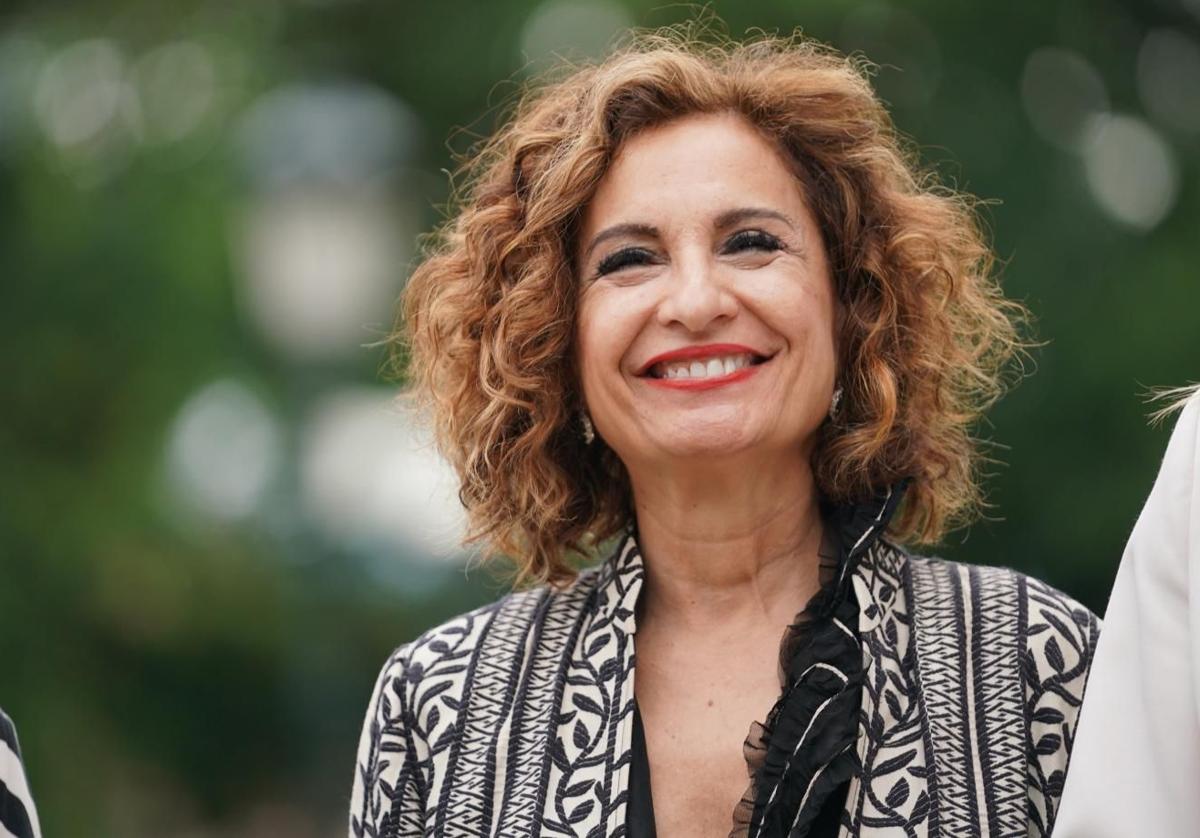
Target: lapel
{"x": 892, "y": 793}
{"x": 941, "y": 736}
{"x": 588, "y": 779}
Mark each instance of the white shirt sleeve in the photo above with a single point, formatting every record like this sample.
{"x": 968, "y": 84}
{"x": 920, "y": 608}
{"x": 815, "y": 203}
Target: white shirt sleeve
{"x": 1135, "y": 766}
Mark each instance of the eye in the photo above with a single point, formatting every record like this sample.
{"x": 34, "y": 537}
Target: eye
{"x": 752, "y": 240}
{"x": 623, "y": 258}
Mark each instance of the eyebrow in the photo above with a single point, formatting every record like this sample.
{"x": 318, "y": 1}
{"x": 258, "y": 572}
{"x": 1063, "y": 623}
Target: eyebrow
{"x": 736, "y": 216}
{"x": 725, "y": 220}
{"x": 647, "y": 231}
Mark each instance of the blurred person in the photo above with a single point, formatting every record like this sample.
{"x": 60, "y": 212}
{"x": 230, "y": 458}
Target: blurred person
{"x": 1136, "y": 769}
{"x": 18, "y": 816}
{"x": 697, "y": 302}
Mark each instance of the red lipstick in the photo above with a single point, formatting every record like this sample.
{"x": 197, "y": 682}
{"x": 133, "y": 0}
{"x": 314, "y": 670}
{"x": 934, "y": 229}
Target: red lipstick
{"x": 708, "y": 350}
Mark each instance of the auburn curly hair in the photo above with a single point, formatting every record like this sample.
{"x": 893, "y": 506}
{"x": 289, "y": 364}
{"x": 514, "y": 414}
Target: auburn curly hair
{"x": 488, "y": 317}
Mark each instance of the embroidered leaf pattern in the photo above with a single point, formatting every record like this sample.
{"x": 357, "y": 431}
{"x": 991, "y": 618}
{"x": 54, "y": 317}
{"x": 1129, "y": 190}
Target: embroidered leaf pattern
{"x": 1055, "y": 668}
{"x": 893, "y": 761}
{"x": 413, "y": 769}
{"x": 1055, "y": 656}
{"x": 898, "y": 795}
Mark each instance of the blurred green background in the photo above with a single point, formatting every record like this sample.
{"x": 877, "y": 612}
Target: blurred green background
{"x": 214, "y": 525}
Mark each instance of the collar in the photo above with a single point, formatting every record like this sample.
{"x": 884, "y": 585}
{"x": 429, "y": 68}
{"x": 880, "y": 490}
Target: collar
{"x": 619, "y": 584}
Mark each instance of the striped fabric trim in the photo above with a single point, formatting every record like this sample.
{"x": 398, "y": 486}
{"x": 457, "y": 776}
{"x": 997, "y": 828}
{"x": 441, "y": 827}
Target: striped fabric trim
{"x": 970, "y": 642}
{"x": 500, "y": 661}
{"x": 535, "y": 719}
{"x": 995, "y": 611}
{"x": 18, "y": 817}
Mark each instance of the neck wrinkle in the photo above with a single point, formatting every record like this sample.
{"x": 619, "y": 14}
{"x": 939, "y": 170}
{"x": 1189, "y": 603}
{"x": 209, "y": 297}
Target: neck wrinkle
{"x": 750, "y": 553}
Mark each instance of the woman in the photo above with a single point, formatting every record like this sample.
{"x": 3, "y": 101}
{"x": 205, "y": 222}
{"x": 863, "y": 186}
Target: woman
{"x": 1137, "y": 764}
{"x": 696, "y": 300}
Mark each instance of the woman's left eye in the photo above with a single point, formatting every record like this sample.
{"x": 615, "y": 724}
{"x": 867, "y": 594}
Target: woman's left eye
{"x": 752, "y": 240}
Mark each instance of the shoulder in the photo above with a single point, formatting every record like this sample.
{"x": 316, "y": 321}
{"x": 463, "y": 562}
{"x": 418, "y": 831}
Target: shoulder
{"x": 1028, "y": 644}
{"x": 445, "y": 659}
{"x": 1042, "y": 617}
{"x": 445, "y": 648}
{"x": 416, "y": 714}
{"x": 1054, "y": 634}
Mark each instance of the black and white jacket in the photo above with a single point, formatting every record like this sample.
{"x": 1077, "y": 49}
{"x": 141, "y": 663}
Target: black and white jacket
{"x": 18, "y": 817}
{"x": 516, "y": 718}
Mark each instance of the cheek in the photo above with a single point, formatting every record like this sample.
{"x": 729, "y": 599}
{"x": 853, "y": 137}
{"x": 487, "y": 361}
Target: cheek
{"x": 801, "y": 309}
{"x": 806, "y": 318}
{"x": 596, "y": 341}
{"x": 820, "y": 345}
{"x": 609, "y": 324}
{"x": 585, "y": 352}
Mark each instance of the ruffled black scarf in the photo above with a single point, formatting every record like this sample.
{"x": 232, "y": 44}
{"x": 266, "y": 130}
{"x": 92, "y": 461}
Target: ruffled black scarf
{"x": 803, "y": 756}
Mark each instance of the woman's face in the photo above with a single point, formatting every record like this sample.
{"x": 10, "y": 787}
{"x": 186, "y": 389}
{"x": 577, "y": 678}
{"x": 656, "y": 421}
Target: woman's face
{"x": 706, "y": 318}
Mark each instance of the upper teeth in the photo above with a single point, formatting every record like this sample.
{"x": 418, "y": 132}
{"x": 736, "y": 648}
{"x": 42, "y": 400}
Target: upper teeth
{"x": 702, "y": 368}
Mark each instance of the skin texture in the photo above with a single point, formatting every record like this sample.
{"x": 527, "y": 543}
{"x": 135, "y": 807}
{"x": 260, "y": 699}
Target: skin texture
{"x": 712, "y": 243}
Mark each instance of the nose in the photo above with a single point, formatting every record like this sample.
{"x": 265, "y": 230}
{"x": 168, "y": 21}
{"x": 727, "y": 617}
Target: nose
{"x": 695, "y": 296}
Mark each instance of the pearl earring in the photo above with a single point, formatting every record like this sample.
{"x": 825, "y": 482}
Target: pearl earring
{"x": 835, "y": 401}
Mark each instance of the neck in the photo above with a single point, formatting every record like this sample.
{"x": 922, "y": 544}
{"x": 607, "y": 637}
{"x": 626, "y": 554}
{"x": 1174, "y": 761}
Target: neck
{"x": 726, "y": 545}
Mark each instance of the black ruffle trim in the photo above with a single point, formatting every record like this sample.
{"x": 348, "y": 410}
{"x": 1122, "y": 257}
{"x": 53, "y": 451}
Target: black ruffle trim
{"x": 806, "y": 748}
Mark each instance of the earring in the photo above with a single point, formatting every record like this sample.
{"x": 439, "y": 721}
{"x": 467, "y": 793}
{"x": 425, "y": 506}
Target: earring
{"x": 589, "y": 431}
{"x": 835, "y": 401}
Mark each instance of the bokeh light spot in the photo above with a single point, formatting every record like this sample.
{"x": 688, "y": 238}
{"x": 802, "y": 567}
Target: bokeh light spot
{"x": 1062, "y": 92}
{"x": 369, "y": 470}
{"x": 1131, "y": 171}
{"x": 572, "y": 29}
{"x": 223, "y": 450}
{"x": 177, "y": 87}
{"x": 343, "y": 132}
{"x": 80, "y": 91}
{"x": 320, "y": 269}
{"x": 1168, "y": 77}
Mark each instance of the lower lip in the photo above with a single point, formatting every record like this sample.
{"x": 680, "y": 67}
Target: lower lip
{"x": 705, "y": 383}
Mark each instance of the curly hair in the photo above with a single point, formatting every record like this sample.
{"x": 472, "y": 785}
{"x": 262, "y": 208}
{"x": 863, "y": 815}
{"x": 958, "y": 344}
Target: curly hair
{"x": 488, "y": 317}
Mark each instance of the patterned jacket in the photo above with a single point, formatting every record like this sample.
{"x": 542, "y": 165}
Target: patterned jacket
{"x": 516, "y": 718}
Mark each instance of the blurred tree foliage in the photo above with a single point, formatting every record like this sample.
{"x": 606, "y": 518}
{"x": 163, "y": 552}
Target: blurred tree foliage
{"x": 172, "y": 675}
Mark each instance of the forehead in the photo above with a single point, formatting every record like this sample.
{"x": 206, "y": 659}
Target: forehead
{"x": 694, "y": 166}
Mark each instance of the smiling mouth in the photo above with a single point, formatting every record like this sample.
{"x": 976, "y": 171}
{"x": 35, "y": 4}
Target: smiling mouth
{"x": 705, "y": 369}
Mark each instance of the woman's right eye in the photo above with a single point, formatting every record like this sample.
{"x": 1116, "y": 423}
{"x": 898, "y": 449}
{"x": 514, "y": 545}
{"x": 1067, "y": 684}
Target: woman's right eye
{"x": 622, "y": 259}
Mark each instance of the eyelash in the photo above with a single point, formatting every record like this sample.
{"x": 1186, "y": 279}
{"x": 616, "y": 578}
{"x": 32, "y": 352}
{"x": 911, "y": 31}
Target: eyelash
{"x": 757, "y": 239}
{"x": 746, "y": 239}
{"x": 623, "y": 258}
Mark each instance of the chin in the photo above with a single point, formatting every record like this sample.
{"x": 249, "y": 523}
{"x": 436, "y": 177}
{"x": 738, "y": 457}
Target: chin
{"x": 707, "y": 441}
